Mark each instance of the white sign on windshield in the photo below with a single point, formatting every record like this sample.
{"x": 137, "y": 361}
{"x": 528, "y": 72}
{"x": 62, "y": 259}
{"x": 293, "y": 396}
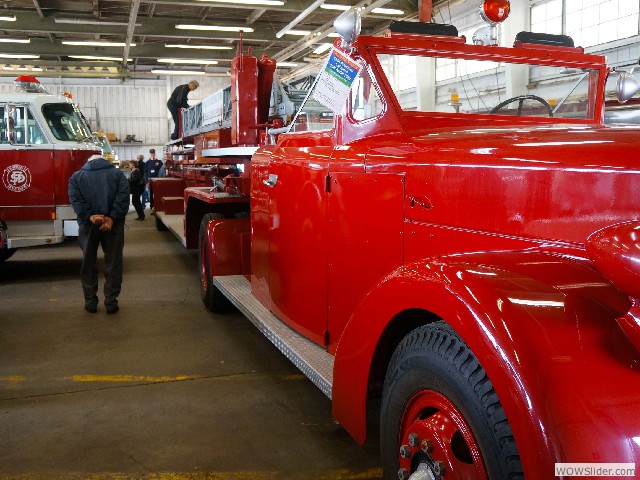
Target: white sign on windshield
{"x": 335, "y": 80}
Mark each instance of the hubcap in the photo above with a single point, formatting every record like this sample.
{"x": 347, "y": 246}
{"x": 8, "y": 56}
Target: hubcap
{"x": 434, "y": 432}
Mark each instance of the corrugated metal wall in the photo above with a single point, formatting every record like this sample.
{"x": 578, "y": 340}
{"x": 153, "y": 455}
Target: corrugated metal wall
{"x": 133, "y": 107}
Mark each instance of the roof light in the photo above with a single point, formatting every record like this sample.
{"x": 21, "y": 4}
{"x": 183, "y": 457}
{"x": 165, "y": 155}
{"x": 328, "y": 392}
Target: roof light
{"x": 177, "y": 72}
{"x": 387, "y": 11}
{"x": 323, "y": 47}
{"x": 286, "y": 64}
{"x": 300, "y": 33}
{"x": 198, "y": 47}
{"x": 90, "y": 21}
{"x": 268, "y": 3}
{"x": 215, "y": 28}
{"x": 15, "y": 40}
{"x": 93, "y": 57}
{"x": 495, "y": 11}
{"x": 188, "y": 61}
{"x": 18, "y": 55}
{"x": 7, "y": 18}
{"x": 95, "y": 43}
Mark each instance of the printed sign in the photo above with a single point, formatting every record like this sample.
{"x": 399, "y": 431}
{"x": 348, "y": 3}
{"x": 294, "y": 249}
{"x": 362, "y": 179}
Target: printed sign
{"x": 335, "y": 80}
{"x": 16, "y": 178}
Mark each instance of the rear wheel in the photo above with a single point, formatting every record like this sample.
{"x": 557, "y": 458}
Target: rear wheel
{"x": 6, "y": 253}
{"x": 441, "y": 414}
{"x": 161, "y": 227}
{"x": 211, "y": 296}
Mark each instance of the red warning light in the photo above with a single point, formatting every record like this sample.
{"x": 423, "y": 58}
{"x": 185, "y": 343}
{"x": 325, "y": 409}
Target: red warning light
{"x": 495, "y": 11}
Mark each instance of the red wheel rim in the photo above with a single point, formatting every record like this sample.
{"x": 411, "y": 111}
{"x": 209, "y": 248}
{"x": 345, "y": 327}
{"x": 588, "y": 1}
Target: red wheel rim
{"x": 432, "y": 425}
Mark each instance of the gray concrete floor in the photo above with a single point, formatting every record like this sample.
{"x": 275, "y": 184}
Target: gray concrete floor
{"x": 164, "y": 389}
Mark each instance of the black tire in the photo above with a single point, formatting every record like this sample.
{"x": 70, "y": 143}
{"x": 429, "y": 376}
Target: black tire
{"x": 432, "y": 362}
{"x": 161, "y": 227}
{"x": 211, "y": 296}
{"x": 6, "y": 253}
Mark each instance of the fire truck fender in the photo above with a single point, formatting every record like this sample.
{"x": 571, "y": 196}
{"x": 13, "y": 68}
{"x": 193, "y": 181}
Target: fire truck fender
{"x": 542, "y": 325}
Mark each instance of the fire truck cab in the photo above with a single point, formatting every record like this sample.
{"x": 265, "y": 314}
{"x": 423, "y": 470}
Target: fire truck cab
{"x": 43, "y": 140}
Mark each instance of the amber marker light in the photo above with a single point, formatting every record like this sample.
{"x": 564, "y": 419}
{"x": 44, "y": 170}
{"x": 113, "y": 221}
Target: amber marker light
{"x": 495, "y": 11}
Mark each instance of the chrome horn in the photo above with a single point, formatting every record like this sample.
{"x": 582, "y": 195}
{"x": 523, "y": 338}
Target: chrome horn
{"x": 626, "y": 86}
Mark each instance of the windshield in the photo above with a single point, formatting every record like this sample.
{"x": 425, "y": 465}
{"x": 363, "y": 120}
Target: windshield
{"x": 104, "y": 144}
{"x": 489, "y": 87}
{"x": 66, "y": 122}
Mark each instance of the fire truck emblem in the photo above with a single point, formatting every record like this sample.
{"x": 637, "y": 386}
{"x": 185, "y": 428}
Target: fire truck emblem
{"x": 16, "y": 178}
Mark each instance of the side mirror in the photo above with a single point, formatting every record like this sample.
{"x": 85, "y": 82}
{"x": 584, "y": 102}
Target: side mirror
{"x": 626, "y": 86}
{"x": 10, "y": 122}
{"x": 348, "y": 26}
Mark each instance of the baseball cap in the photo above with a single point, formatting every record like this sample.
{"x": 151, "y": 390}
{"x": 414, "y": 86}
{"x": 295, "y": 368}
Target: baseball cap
{"x": 195, "y": 82}
{"x": 152, "y": 150}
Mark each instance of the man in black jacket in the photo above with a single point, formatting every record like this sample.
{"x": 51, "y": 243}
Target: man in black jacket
{"x": 178, "y": 100}
{"x": 99, "y": 194}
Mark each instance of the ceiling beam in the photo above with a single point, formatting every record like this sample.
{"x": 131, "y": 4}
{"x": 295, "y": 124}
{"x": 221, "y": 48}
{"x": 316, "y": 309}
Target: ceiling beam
{"x": 38, "y": 9}
{"x": 135, "y": 5}
{"x": 255, "y": 15}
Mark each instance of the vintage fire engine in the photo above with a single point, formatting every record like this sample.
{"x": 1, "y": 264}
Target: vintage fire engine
{"x": 472, "y": 260}
{"x": 43, "y": 140}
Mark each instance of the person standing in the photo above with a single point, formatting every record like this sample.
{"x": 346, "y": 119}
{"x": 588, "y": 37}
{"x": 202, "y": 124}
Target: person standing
{"x": 136, "y": 187}
{"x": 178, "y": 100}
{"x": 99, "y": 194}
{"x": 153, "y": 167}
{"x": 143, "y": 168}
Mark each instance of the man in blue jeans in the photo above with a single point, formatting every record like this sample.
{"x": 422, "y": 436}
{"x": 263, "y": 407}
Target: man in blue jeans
{"x": 177, "y": 101}
{"x": 99, "y": 194}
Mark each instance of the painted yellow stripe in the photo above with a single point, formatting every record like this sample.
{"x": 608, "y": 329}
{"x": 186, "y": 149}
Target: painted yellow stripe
{"x": 342, "y": 474}
{"x": 130, "y": 378}
{"x": 13, "y": 379}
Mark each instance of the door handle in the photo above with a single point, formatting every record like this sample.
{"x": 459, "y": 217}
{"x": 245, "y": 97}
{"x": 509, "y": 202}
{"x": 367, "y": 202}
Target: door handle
{"x": 271, "y": 182}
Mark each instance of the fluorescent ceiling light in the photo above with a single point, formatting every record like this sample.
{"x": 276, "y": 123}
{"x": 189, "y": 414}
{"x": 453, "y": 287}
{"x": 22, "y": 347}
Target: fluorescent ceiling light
{"x": 286, "y": 64}
{"x": 15, "y": 40}
{"x": 268, "y": 3}
{"x": 387, "y": 11}
{"x": 95, "y": 43}
{"x": 333, "y": 35}
{"x": 92, "y": 57}
{"x": 22, "y": 69}
{"x": 177, "y": 72}
{"x": 301, "y": 33}
{"x": 6, "y": 67}
{"x": 18, "y": 55}
{"x": 380, "y": 11}
{"x": 186, "y": 60}
{"x": 198, "y": 47}
{"x": 90, "y": 21}
{"x": 215, "y": 28}
{"x": 36, "y": 69}
{"x": 323, "y": 47}
{"x": 7, "y": 18}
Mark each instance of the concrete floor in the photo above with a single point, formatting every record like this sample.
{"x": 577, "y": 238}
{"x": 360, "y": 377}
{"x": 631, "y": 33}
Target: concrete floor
{"x": 164, "y": 389}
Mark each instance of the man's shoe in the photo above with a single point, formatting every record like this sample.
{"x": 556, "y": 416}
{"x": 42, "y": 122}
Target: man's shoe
{"x": 91, "y": 308}
{"x": 111, "y": 309}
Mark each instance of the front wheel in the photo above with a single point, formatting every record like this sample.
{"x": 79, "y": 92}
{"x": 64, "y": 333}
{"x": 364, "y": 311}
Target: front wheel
{"x": 441, "y": 414}
{"x": 6, "y": 253}
{"x": 211, "y": 296}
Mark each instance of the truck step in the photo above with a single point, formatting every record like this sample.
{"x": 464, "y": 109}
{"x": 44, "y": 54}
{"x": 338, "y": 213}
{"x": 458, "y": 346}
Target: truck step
{"x": 312, "y": 359}
{"x": 175, "y": 223}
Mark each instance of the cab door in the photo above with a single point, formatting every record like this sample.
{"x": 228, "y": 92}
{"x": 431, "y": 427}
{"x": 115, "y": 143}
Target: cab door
{"x": 297, "y": 183}
{"x": 26, "y": 165}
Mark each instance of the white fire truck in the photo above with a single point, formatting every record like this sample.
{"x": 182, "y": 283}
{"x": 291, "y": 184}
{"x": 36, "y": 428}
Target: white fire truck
{"x": 43, "y": 140}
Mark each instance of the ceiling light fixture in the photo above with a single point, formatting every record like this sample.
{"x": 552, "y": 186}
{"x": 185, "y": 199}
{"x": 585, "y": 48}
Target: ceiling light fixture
{"x": 177, "y": 72}
{"x": 90, "y": 21}
{"x": 214, "y": 28}
{"x": 323, "y": 47}
{"x": 198, "y": 47}
{"x": 95, "y": 43}
{"x": 300, "y": 33}
{"x": 266, "y": 3}
{"x": 188, "y": 61}
{"x": 286, "y": 64}
{"x": 15, "y": 40}
{"x": 18, "y": 55}
{"x": 92, "y": 57}
{"x": 379, "y": 10}
{"x": 8, "y": 18}
{"x": 37, "y": 69}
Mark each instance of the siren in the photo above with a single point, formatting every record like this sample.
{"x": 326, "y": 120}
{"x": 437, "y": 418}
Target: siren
{"x": 492, "y": 12}
{"x": 29, "y": 84}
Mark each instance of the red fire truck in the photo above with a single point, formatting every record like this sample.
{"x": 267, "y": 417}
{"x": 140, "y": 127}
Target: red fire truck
{"x": 43, "y": 140}
{"x": 466, "y": 266}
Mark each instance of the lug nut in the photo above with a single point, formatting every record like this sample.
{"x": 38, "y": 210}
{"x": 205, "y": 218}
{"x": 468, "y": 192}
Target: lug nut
{"x": 414, "y": 439}
{"x": 427, "y": 446}
{"x": 439, "y": 468}
{"x": 405, "y": 452}
{"x": 403, "y": 474}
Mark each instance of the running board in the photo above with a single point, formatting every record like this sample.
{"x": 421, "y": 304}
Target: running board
{"x": 309, "y": 357}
